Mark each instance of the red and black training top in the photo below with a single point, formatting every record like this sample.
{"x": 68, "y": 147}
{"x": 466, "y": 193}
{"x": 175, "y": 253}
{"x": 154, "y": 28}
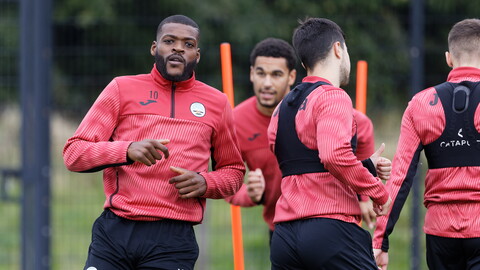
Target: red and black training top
{"x": 196, "y": 118}
{"x": 251, "y": 127}
{"x": 326, "y": 124}
{"x": 452, "y": 192}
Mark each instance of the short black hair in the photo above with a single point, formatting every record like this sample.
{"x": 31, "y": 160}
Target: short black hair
{"x": 314, "y": 38}
{"x": 464, "y": 39}
{"x": 178, "y": 19}
{"x": 274, "y": 47}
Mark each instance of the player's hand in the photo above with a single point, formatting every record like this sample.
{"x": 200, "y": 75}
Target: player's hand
{"x": 382, "y": 164}
{"x": 382, "y": 210}
{"x": 188, "y": 183}
{"x": 384, "y": 168}
{"x": 147, "y": 151}
{"x": 255, "y": 185}
{"x": 381, "y": 258}
{"x": 368, "y": 215}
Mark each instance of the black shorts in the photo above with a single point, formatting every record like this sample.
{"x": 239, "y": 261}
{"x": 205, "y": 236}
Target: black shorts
{"x": 321, "y": 243}
{"x": 123, "y": 244}
{"x": 452, "y": 253}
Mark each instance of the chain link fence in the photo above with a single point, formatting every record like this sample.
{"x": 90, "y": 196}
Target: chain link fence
{"x": 93, "y": 43}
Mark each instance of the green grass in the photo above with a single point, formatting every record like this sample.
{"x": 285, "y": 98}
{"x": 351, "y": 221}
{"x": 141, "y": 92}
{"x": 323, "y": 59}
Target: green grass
{"x": 77, "y": 200}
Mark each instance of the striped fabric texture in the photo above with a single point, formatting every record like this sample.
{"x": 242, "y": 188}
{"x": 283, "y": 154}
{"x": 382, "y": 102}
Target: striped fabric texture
{"x": 326, "y": 124}
{"x": 452, "y": 195}
{"x": 251, "y": 126}
{"x": 197, "y": 120}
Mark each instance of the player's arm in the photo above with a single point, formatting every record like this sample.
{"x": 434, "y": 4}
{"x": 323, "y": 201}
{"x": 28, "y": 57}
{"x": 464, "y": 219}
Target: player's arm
{"x": 404, "y": 169}
{"x": 229, "y": 169}
{"x": 365, "y": 136}
{"x": 383, "y": 168}
{"x": 251, "y": 192}
{"x": 90, "y": 148}
{"x": 334, "y": 131}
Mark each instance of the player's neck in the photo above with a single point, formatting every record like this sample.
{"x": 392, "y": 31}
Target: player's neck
{"x": 329, "y": 73}
{"x": 267, "y": 111}
{"x": 471, "y": 64}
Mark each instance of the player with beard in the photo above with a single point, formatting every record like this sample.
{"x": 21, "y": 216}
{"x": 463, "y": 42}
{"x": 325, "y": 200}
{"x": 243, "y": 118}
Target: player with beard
{"x": 312, "y": 133}
{"x": 153, "y": 136}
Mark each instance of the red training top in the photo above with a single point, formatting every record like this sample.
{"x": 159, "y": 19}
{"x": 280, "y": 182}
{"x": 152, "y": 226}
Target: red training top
{"x": 327, "y": 125}
{"x": 251, "y": 126}
{"x": 192, "y": 115}
{"x": 452, "y": 195}
{"x": 365, "y": 139}
{"x": 365, "y": 136}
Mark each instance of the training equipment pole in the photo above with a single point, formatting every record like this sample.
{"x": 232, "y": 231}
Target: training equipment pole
{"x": 361, "y": 95}
{"x": 361, "y": 92}
{"x": 236, "y": 215}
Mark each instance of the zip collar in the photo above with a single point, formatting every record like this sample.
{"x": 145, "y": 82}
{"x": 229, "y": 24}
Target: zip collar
{"x": 166, "y": 84}
{"x": 314, "y": 79}
{"x": 464, "y": 74}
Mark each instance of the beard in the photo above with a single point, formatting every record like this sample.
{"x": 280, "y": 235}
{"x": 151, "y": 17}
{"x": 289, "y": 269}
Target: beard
{"x": 161, "y": 65}
{"x": 263, "y": 104}
{"x": 344, "y": 76}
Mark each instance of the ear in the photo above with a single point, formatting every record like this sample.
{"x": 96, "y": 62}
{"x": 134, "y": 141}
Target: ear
{"x": 448, "y": 59}
{"x": 153, "y": 48}
{"x": 291, "y": 77}
{"x": 337, "y": 49}
{"x": 198, "y": 55}
{"x": 252, "y": 73}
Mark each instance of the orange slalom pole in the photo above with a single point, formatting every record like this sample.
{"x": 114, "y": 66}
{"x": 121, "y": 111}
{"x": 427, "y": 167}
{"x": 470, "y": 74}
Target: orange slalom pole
{"x": 361, "y": 92}
{"x": 236, "y": 215}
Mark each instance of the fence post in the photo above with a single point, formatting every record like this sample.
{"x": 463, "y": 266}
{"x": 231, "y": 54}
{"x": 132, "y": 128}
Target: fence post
{"x": 35, "y": 67}
{"x": 417, "y": 24}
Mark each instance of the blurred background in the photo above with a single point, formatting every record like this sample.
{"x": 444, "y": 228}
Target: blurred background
{"x": 57, "y": 56}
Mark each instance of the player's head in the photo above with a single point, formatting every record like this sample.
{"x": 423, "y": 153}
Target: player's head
{"x": 175, "y": 47}
{"x": 464, "y": 43}
{"x": 272, "y": 71}
{"x": 316, "y": 40}
{"x": 274, "y": 47}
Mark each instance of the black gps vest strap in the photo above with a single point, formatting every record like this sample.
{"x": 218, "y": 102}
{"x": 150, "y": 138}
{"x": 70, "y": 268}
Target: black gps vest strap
{"x": 459, "y": 144}
{"x": 293, "y": 156}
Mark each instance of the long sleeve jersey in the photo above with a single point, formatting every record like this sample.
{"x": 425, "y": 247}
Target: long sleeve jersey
{"x": 365, "y": 139}
{"x": 197, "y": 120}
{"x": 452, "y": 195}
{"x": 365, "y": 136}
{"x": 325, "y": 123}
{"x": 251, "y": 127}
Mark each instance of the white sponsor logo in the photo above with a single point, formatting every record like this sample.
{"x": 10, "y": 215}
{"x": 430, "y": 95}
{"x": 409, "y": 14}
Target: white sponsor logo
{"x": 455, "y": 143}
{"x": 198, "y": 109}
{"x": 91, "y": 268}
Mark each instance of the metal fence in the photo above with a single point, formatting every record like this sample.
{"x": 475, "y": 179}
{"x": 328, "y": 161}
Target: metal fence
{"x": 47, "y": 218}
{"x": 47, "y": 211}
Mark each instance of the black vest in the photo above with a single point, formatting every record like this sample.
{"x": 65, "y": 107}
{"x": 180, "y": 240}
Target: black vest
{"x": 459, "y": 144}
{"x": 293, "y": 156}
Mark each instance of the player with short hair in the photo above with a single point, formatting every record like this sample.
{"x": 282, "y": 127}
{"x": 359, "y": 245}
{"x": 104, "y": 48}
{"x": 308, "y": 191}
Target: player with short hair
{"x": 272, "y": 73}
{"x": 153, "y": 136}
{"x": 312, "y": 132}
{"x": 444, "y": 121}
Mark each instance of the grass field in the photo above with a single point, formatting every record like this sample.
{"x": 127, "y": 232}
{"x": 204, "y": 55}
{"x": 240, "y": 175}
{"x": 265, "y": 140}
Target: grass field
{"x": 77, "y": 200}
